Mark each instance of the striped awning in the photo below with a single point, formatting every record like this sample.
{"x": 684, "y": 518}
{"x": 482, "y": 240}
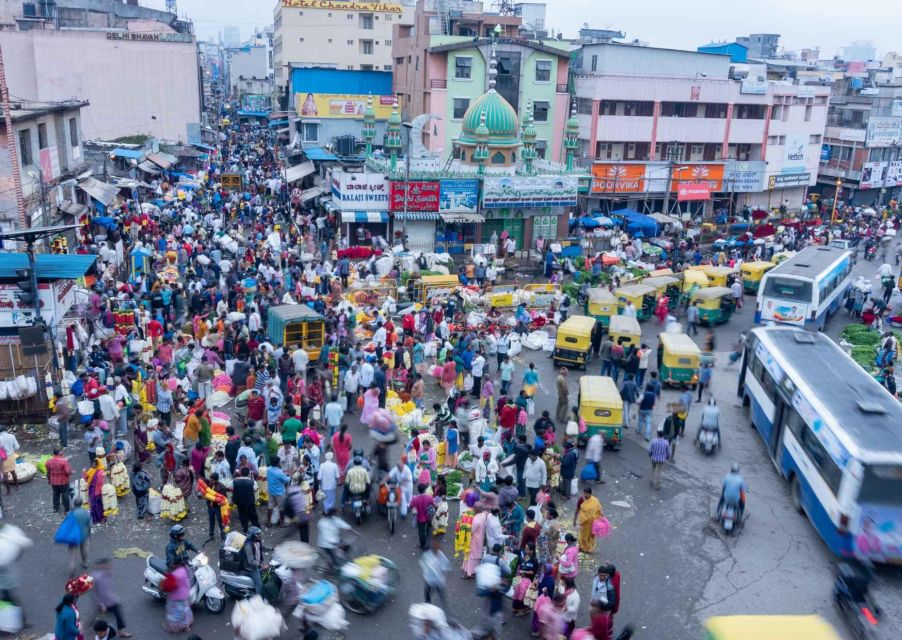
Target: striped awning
{"x": 361, "y": 217}
{"x": 463, "y": 218}
{"x": 416, "y": 215}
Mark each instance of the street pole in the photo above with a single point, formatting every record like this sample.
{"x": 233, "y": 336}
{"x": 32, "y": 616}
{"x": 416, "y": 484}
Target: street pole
{"x": 835, "y": 200}
{"x": 409, "y": 127}
{"x": 12, "y": 147}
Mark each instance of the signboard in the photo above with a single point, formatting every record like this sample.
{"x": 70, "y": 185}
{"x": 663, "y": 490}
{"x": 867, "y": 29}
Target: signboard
{"x": 56, "y": 299}
{"x": 533, "y": 191}
{"x": 826, "y": 152}
{"x": 149, "y": 37}
{"x": 255, "y": 102}
{"x": 883, "y": 132}
{"x": 743, "y": 177}
{"x": 617, "y": 178}
{"x": 754, "y": 87}
{"x": 873, "y": 175}
{"x": 795, "y": 153}
{"x": 693, "y": 192}
{"x": 710, "y": 175}
{"x": 459, "y": 196}
{"x": 785, "y": 180}
{"x": 784, "y": 312}
{"x": 343, "y": 5}
{"x": 360, "y": 191}
{"x": 422, "y": 195}
{"x": 341, "y": 105}
{"x": 894, "y": 174}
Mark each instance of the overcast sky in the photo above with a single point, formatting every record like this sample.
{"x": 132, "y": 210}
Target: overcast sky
{"x": 828, "y": 24}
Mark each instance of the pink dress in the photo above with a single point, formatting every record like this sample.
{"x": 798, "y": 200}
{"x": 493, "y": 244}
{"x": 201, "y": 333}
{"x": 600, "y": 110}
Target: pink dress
{"x": 477, "y": 541}
{"x": 370, "y": 404}
{"x": 342, "y": 449}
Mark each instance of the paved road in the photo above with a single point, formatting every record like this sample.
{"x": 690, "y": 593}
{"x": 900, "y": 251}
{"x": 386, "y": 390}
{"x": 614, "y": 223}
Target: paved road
{"x": 677, "y": 569}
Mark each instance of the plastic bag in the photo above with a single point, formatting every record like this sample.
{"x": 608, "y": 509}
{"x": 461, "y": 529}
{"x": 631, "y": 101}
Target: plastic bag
{"x": 588, "y": 473}
{"x": 574, "y": 486}
{"x": 488, "y": 577}
{"x": 468, "y": 383}
{"x": 515, "y": 347}
{"x": 11, "y": 619}
{"x": 154, "y": 503}
{"x": 4, "y": 393}
{"x": 69, "y": 532}
{"x": 531, "y": 407}
{"x": 572, "y": 428}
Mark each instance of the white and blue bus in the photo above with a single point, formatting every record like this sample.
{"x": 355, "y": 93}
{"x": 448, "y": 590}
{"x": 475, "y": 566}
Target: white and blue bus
{"x": 834, "y": 433}
{"x": 805, "y": 289}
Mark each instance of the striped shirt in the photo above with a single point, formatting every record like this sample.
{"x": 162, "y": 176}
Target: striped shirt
{"x": 659, "y": 450}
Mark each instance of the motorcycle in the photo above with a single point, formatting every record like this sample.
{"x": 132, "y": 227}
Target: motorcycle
{"x": 870, "y": 251}
{"x": 391, "y": 506}
{"x": 365, "y": 589}
{"x": 360, "y": 506}
{"x": 203, "y": 586}
{"x": 708, "y": 441}
{"x": 850, "y": 595}
{"x": 729, "y": 517}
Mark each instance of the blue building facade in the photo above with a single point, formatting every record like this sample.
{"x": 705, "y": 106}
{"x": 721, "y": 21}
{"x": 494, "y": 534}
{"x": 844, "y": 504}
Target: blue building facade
{"x": 737, "y": 52}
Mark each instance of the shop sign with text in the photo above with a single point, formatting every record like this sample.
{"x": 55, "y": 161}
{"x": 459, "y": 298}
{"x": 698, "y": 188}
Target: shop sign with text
{"x": 421, "y": 195}
{"x": 360, "y": 191}
{"x": 618, "y": 178}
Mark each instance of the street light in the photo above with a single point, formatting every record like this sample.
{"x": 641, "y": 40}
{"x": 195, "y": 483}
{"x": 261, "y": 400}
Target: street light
{"x": 835, "y": 199}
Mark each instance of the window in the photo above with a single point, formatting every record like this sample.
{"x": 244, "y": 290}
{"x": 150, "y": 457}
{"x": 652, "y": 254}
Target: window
{"x": 829, "y": 471}
{"x": 386, "y": 67}
{"x": 541, "y": 149}
{"x": 463, "y": 67}
{"x": 635, "y": 108}
{"x": 716, "y": 111}
{"x": 351, "y": 42}
{"x": 882, "y": 484}
{"x": 584, "y": 106}
{"x": 696, "y": 150}
{"x": 540, "y": 111}
{"x": 301, "y": 39}
{"x": 366, "y": 47}
{"x": 350, "y": 16}
{"x": 42, "y": 136}
{"x": 460, "y": 107}
{"x": 787, "y": 289}
{"x": 388, "y": 43}
{"x": 73, "y": 132}
{"x": 366, "y": 67}
{"x": 309, "y": 132}
{"x": 387, "y": 17}
{"x": 815, "y": 139}
{"x": 749, "y": 112}
{"x": 594, "y": 63}
{"x": 498, "y": 158}
{"x": 763, "y": 376}
{"x": 366, "y": 21}
{"x": 808, "y": 113}
{"x": 777, "y": 112}
{"x": 330, "y": 40}
{"x": 543, "y": 70}
{"x": 26, "y": 153}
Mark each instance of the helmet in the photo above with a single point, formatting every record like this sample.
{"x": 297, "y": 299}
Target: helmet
{"x": 176, "y": 531}
{"x": 358, "y": 460}
{"x": 358, "y": 453}
{"x": 254, "y": 533}
{"x": 734, "y": 468}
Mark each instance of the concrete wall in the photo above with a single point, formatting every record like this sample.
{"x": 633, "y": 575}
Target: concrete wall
{"x": 252, "y": 63}
{"x": 134, "y": 87}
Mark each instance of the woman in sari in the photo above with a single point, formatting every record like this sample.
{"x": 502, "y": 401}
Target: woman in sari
{"x": 588, "y": 510}
{"x": 370, "y": 404}
{"x": 477, "y": 541}
{"x": 94, "y": 478}
{"x": 178, "y": 610}
{"x": 341, "y": 446}
{"x": 141, "y": 440}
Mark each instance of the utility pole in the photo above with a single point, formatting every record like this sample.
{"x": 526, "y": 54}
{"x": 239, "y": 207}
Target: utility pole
{"x": 409, "y": 127}
{"x": 670, "y": 153}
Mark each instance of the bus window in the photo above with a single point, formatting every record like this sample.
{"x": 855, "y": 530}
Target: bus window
{"x": 882, "y": 484}
{"x": 829, "y": 470}
{"x": 786, "y": 289}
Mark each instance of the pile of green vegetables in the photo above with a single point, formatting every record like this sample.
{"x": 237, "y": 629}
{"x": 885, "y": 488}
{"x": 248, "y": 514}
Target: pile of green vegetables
{"x": 866, "y": 343}
{"x": 453, "y": 481}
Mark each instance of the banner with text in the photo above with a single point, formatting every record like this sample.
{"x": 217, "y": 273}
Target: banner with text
{"x": 532, "y": 191}
{"x": 421, "y": 195}
{"x": 459, "y": 196}
{"x": 873, "y": 175}
{"x": 340, "y": 105}
{"x": 883, "y": 132}
{"x": 360, "y": 191}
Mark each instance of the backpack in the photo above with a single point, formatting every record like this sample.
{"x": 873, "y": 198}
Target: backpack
{"x": 617, "y": 352}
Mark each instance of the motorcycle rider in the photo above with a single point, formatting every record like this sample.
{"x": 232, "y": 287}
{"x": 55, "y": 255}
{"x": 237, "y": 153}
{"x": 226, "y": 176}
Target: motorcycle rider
{"x": 253, "y": 557}
{"x": 357, "y": 453}
{"x": 733, "y": 491}
{"x": 178, "y": 547}
{"x": 357, "y": 481}
{"x": 710, "y": 421}
{"x": 328, "y": 536}
{"x": 443, "y": 417}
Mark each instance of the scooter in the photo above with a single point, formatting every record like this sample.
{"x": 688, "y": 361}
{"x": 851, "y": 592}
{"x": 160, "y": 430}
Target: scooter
{"x": 850, "y": 595}
{"x": 239, "y": 585}
{"x": 729, "y": 517}
{"x": 708, "y": 441}
{"x": 359, "y": 506}
{"x": 870, "y": 251}
{"x": 203, "y": 586}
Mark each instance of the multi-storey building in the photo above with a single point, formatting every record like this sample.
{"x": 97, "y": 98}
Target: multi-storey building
{"x": 671, "y": 126}
{"x": 441, "y": 64}
{"x": 338, "y": 34}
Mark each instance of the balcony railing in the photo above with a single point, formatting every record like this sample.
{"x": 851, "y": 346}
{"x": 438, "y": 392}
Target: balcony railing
{"x": 561, "y": 88}
{"x": 438, "y": 84}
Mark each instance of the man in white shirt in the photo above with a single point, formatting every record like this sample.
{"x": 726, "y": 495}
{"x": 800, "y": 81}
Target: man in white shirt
{"x": 301, "y": 358}
{"x": 379, "y": 338}
{"x": 253, "y": 321}
{"x": 333, "y": 414}
{"x": 366, "y": 375}
{"x": 402, "y": 476}
{"x": 123, "y": 399}
{"x": 10, "y": 446}
{"x": 351, "y": 385}
{"x": 328, "y": 535}
{"x": 108, "y": 408}
{"x": 328, "y": 476}
{"x": 535, "y": 475}
{"x": 476, "y": 369}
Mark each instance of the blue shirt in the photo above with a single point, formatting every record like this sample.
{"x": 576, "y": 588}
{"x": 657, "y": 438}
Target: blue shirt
{"x": 733, "y": 485}
{"x": 276, "y": 481}
{"x": 704, "y": 375}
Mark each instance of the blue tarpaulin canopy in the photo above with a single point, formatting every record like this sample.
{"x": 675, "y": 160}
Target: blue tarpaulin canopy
{"x": 590, "y": 223}
{"x": 105, "y": 221}
{"x": 135, "y": 154}
{"x": 635, "y": 222}
{"x": 278, "y": 123}
{"x": 318, "y": 153}
{"x": 201, "y": 145}
{"x": 50, "y": 266}
{"x": 253, "y": 114}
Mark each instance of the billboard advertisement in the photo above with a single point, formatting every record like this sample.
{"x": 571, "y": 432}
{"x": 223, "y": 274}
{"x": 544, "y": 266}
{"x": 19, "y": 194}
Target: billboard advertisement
{"x": 421, "y": 195}
{"x": 693, "y": 192}
{"x": 873, "y": 175}
{"x": 795, "y": 153}
{"x": 785, "y": 180}
{"x": 743, "y": 177}
{"x": 360, "y": 191}
{"x": 711, "y": 175}
{"x": 343, "y": 5}
{"x": 883, "y": 132}
{"x": 341, "y": 105}
{"x": 894, "y": 174}
{"x": 618, "y": 178}
{"x": 255, "y": 102}
{"x": 459, "y": 196}
{"x": 533, "y": 191}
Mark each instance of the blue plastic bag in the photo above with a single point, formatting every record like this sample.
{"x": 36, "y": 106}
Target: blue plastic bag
{"x": 68, "y": 532}
{"x": 588, "y": 473}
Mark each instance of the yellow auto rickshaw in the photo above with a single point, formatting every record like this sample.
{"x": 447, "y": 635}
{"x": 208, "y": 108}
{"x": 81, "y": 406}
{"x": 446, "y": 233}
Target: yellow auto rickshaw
{"x": 642, "y": 296}
{"x": 694, "y": 278}
{"x": 297, "y": 325}
{"x": 660, "y": 272}
{"x": 680, "y": 361}
{"x": 715, "y": 304}
{"x": 601, "y": 407}
{"x": 777, "y": 258}
{"x": 665, "y": 286}
{"x": 625, "y": 331}
{"x": 719, "y": 276}
{"x": 752, "y": 272}
{"x": 428, "y": 287}
{"x": 601, "y": 305}
{"x": 768, "y": 628}
{"x": 574, "y": 341}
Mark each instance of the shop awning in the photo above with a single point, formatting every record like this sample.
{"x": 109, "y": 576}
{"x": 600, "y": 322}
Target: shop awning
{"x": 201, "y": 145}
{"x": 298, "y": 171}
{"x": 361, "y": 217}
{"x": 278, "y": 123}
{"x": 133, "y": 154}
{"x": 416, "y": 215}
{"x": 463, "y": 218}
{"x": 73, "y": 208}
{"x": 320, "y": 154}
{"x": 163, "y": 160}
{"x": 49, "y": 266}
{"x": 329, "y": 206}
{"x": 101, "y": 191}
{"x": 312, "y": 192}
{"x": 149, "y": 167}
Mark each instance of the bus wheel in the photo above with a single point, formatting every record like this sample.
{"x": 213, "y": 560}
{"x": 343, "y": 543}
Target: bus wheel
{"x": 795, "y": 489}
